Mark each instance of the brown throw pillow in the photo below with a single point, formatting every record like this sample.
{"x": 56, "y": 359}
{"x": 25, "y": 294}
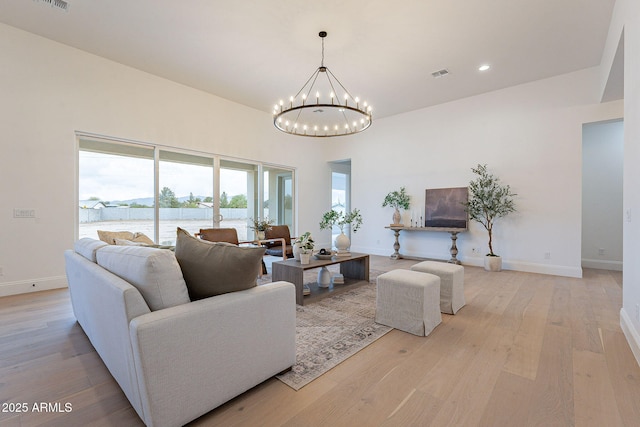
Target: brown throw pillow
{"x": 110, "y": 236}
{"x": 142, "y": 238}
{"x": 214, "y": 268}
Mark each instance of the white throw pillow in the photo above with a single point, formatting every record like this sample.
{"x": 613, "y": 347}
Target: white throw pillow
{"x": 154, "y": 272}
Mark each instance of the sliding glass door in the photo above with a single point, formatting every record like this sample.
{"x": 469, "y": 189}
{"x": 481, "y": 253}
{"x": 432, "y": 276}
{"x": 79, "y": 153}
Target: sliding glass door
{"x": 185, "y": 196}
{"x": 238, "y": 196}
{"x": 115, "y": 188}
{"x": 125, "y": 186}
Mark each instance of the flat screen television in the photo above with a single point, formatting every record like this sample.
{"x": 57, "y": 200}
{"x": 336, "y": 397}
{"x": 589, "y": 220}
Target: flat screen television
{"x": 444, "y": 207}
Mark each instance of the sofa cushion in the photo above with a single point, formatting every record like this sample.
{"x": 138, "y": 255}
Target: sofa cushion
{"x": 214, "y": 268}
{"x": 124, "y": 242}
{"x": 154, "y": 272}
{"x": 87, "y": 247}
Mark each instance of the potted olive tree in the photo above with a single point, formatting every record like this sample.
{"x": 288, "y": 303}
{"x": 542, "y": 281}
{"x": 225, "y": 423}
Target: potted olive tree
{"x": 397, "y": 200}
{"x": 489, "y": 200}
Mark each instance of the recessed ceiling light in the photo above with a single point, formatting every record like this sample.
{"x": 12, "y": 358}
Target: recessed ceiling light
{"x": 484, "y": 67}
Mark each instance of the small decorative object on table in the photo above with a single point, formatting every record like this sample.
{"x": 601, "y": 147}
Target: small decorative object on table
{"x": 331, "y": 218}
{"x": 324, "y": 275}
{"x": 260, "y": 226}
{"x": 324, "y": 254}
{"x": 306, "y": 247}
{"x": 337, "y": 279}
{"x": 398, "y": 200}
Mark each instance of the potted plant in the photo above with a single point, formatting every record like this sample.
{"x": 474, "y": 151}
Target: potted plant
{"x": 260, "y": 226}
{"x": 397, "y": 200}
{"x": 306, "y": 244}
{"x": 331, "y": 218}
{"x": 488, "y": 201}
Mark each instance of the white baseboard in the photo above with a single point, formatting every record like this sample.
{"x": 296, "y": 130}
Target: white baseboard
{"x": 554, "y": 270}
{"x": 551, "y": 269}
{"x": 35, "y": 285}
{"x": 631, "y": 334}
{"x": 602, "y": 264}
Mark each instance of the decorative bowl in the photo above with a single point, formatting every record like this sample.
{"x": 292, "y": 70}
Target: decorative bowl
{"x": 318, "y": 256}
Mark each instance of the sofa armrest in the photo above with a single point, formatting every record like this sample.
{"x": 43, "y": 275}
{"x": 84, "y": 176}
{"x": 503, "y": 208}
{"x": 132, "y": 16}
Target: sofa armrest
{"x": 193, "y": 357}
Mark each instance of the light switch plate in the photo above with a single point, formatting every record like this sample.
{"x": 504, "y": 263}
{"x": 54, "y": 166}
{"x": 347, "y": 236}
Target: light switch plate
{"x": 24, "y": 213}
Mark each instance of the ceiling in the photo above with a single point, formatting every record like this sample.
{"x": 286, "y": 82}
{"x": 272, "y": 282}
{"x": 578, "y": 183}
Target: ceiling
{"x": 256, "y": 52}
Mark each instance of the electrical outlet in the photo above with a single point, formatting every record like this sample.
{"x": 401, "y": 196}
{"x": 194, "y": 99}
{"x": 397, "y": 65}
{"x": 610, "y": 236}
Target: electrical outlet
{"x": 600, "y": 251}
{"x": 547, "y": 255}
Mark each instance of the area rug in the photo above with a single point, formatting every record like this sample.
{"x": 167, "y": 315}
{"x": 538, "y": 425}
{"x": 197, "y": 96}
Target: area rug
{"x": 333, "y": 329}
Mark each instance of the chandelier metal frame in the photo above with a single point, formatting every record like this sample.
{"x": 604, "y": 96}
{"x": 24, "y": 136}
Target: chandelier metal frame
{"x": 322, "y": 119}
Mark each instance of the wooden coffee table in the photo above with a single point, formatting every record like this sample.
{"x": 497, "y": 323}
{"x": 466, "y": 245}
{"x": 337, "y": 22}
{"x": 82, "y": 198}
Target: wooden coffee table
{"x": 354, "y": 268}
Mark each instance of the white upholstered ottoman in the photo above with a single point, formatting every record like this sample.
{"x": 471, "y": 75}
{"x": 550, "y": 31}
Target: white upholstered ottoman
{"x": 451, "y": 283}
{"x": 409, "y": 301}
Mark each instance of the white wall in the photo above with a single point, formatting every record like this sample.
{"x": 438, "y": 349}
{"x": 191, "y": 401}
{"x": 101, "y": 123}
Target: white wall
{"x": 49, "y": 91}
{"x": 626, "y": 17}
{"x": 602, "y": 177}
{"x": 530, "y": 136}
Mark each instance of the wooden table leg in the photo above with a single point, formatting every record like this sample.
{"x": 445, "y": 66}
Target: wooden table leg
{"x": 396, "y": 246}
{"x": 356, "y": 269}
{"x": 288, "y": 274}
{"x": 454, "y": 248}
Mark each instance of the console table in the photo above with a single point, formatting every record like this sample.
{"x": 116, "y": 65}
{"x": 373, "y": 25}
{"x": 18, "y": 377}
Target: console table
{"x": 452, "y": 231}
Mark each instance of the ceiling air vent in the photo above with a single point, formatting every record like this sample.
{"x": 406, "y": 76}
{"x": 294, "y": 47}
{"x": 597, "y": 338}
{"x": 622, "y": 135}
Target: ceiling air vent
{"x": 56, "y": 4}
{"x": 440, "y": 73}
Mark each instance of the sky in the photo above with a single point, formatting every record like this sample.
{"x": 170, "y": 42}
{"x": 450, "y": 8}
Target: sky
{"x": 111, "y": 177}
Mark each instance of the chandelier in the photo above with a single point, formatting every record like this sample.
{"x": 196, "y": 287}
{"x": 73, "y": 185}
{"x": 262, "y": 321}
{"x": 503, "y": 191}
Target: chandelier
{"x": 326, "y": 112}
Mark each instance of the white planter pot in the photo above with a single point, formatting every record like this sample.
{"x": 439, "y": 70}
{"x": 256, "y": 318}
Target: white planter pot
{"x": 493, "y": 263}
{"x": 397, "y": 217}
{"x": 260, "y": 235}
{"x": 305, "y": 258}
{"x": 342, "y": 244}
{"x": 296, "y": 251}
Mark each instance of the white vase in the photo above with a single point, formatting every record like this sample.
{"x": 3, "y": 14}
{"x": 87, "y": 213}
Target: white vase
{"x": 324, "y": 278}
{"x": 397, "y": 217}
{"x": 305, "y": 258}
{"x": 260, "y": 234}
{"x": 342, "y": 244}
{"x": 296, "y": 251}
{"x": 493, "y": 263}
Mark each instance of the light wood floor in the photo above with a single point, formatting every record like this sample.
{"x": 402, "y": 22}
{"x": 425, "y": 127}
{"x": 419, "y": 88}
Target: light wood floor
{"x": 526, "y": 350}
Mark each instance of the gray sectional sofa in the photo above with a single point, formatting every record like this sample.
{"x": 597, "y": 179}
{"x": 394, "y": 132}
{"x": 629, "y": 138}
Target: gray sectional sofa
{"x": 175, "y": 359}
